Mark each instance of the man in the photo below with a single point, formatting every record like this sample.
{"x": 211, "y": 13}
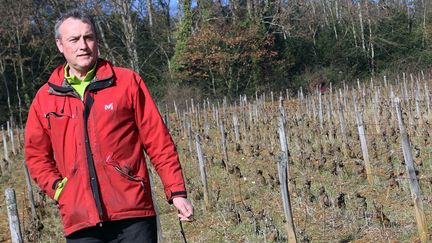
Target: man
{"x": 86, "y": 131}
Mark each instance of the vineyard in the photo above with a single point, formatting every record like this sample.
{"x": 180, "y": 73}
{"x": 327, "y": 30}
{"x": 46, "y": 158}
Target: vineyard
{"x": 349, "y": 152}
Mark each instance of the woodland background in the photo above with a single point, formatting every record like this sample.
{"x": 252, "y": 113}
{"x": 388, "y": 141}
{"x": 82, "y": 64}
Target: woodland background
{"x": 233, "y": 68}
{"x": 211, "y": 49}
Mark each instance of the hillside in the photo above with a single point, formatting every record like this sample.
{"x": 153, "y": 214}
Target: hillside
{"x": 331, "y": 198}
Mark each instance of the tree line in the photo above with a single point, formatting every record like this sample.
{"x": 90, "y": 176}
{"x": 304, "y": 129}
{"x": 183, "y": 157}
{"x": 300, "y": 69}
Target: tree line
{"x": 206, "y": 48}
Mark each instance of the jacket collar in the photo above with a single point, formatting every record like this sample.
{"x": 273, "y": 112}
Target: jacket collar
{"x": 58, "y": 85}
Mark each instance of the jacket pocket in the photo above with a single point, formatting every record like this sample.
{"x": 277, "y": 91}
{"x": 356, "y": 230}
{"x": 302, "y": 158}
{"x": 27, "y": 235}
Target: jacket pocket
{"x": 129, "y": 176}
{"x": 55, "y": 120}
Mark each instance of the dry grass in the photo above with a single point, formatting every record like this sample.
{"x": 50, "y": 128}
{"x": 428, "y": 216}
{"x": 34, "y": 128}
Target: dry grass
{"x": 330, "y": 196}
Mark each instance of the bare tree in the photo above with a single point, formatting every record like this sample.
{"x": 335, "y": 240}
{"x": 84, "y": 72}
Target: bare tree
{"x": 361, "y": 25}
{"x": 128, "y": 26}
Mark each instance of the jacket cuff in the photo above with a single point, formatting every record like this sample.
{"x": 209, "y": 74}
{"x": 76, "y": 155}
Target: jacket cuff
{"x": 176, "y": 194}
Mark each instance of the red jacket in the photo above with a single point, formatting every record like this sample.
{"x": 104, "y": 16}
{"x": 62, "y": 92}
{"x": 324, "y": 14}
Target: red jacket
{"x": 98, "y": 143}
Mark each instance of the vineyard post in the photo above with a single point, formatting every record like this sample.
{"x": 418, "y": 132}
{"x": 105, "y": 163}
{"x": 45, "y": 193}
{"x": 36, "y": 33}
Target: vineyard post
{"x": 5, "y": 148}
{"x": 217, "y": 118}
{"x": 11, "y": 136}
{"x": 314, "y": 112}
{"x": 30, "y": 191}
{"x": 426, "y": 90}
{"x": 343, "y": 97}
{"x": 330, "y": 119}
{"x": 204, "y": 106}
{"x": 184, "y": 125}
{"x": 405, "y": 87}
{"x": 189, "y": 127}
{"x": 198, "y": 115}
{"x": 281, "y": 107}
{"x": 166, "y": 120}
{"x": 243, "y": 111}
{"x": 14, "y": 223}
{"x": 283, "y": 168}
{"x": 331, "y": 109}
{"x": 363, "y": 97}
{"x": 156, "y": 208}
{"x": 343, "y": 131}
{"x": 345, "y": 91}
{"x": 414, "y": 186}
{"x": 214, "y": 112}
{"x": 301, "y": 94}
{"x": 385, "y": 81}
{"x": 8, "y": 127}
{"x": 412, "y": 85}
{"x": 250, "y": 115}
{"x": 224, "y": 145}
{"x": 202, "y": 171}
{"x": 363, "y": 144}
{"x": 206, "y": 124}
{"x": 392, "y": 96}
{"x": 376, "y": 112}
{"x": 176, "y": 111}
{"x": 18, "y": 136}
{"x": 224, "y": 108}
{"x": 256, "y": 114}
{"x": 417, "y": 103}
{"x": 236, "y": 127}
{"x": 192, "y": 106}
{"x": 320, "y": 112}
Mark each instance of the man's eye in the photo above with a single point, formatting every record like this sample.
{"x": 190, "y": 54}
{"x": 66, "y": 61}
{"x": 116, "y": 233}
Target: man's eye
{"x": 73, "y": 40}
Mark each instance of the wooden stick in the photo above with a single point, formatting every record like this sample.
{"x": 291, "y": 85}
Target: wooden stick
{"x": 14, "y": 222}
{"x": 30, "y": 191}
{"x": 283, "y": 169}
{"x": 224, "y": 145}
{"x": 415, "y": 189}
{"x": 5, "y": 148}
{"x": 236, "y": 127}
{"x": 321, "y": 118}
{"x": 202, "y": 171}
{"x": 154, "y": 199}
{"x": 363, "y": 144}
{"x": 189, "y": 128}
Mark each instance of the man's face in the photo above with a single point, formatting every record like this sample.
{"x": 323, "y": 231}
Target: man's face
{"x": 78, "y": 44}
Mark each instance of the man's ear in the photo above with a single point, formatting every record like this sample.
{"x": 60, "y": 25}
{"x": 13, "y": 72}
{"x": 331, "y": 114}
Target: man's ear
{"x": 59, "y": 45}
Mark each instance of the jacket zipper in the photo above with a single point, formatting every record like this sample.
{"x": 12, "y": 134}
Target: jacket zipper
{"x": 133, "y": 178}
{"x": 88, "y": 103}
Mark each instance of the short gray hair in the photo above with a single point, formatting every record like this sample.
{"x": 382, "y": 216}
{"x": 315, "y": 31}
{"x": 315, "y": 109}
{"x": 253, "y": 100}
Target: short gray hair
{"x": 75, "y": 14}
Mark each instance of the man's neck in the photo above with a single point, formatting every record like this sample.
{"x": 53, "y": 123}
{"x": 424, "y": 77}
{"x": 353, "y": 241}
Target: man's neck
{"x": 79, "y": 74}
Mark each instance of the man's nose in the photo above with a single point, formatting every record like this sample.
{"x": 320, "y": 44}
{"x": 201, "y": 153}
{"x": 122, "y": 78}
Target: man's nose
{"x": 82, "y": 43}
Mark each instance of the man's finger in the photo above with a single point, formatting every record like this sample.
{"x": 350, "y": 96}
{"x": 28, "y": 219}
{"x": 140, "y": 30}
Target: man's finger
{"x": 185, "y": 213}
{"x": 183, "y": 218}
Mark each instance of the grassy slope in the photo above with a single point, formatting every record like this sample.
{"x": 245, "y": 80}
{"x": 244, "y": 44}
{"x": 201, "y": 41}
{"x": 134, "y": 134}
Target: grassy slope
{"x": 246, "y": 204}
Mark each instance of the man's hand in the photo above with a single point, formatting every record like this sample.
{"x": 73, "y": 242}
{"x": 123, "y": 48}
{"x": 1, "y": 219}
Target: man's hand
{"x": 184, "y": 208}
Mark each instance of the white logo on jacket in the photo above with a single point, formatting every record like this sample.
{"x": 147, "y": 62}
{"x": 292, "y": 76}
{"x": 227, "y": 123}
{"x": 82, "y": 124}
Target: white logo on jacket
{"x": 110, "y": 106}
